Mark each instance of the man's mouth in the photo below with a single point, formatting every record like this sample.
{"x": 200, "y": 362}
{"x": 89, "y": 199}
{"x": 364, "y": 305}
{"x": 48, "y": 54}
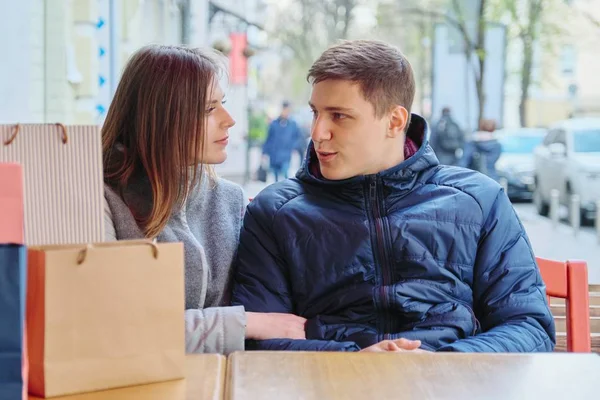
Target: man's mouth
{"x": 326, "y": 155}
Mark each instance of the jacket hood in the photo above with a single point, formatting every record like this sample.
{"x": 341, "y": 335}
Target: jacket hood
{"x": 418, "y": 156}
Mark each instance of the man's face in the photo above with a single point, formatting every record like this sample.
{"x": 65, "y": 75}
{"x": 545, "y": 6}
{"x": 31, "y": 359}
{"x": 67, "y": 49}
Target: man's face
{"x": 285, "y": 112}
{"x": 350, "y": 140}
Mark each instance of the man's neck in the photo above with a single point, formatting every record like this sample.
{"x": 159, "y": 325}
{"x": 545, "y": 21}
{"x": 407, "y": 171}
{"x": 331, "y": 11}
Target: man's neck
{"x": 394, "y": 157}
{"x": 392, "y": 162}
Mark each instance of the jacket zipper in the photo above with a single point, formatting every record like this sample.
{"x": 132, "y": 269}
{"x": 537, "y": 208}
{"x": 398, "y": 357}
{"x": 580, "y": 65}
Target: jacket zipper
{"x": 382, "y": 258}
{"x": 383, "y": 264}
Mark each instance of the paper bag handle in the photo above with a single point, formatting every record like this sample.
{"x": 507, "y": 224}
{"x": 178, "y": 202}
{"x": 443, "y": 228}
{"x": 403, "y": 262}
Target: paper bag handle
{"x": 83, "y": 253}
{"x": 17, "y": 129}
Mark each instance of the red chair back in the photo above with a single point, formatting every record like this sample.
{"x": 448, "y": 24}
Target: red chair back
{"x": 569, "y": 281}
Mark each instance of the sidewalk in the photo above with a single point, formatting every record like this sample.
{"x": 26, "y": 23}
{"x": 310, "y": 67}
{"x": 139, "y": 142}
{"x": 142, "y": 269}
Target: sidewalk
{"x": 548, "y": 242}
{"x": 561, "y": 244}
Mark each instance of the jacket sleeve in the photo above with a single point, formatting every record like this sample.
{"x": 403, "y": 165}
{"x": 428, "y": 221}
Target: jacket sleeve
{"x": 508, "y": 292}
{"x": 261, "y": 281}
{"x": 215, "y": 330}
{"x": 300, "y": 345}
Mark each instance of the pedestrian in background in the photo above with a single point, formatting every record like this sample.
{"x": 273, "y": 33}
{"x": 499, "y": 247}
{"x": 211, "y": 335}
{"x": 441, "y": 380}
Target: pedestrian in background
{"x": 447, "y": 139}
{"x": 282, "y": 138}
{"x": 483, "y": 151}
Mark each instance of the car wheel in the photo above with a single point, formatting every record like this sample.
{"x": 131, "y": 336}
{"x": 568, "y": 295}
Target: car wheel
{"x": 585, "y": 220}
{"x": 542, "y": 207}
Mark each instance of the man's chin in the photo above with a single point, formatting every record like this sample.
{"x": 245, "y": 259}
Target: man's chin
{"x": 333, "y": 174}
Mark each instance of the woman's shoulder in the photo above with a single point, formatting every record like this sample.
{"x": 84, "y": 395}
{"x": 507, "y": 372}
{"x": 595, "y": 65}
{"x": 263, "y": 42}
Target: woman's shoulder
{"x": 228, "y": 185}
{"x": 225, "y": 191}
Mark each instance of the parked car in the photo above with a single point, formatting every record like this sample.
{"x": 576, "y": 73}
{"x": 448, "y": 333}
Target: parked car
{"x": 569, "y": 160}
{"x": 516, "y": 163}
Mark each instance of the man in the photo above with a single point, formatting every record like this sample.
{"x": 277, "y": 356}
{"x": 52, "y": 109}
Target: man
{"x": 374, "y": 240}
{"x": 483, "y": 150}
{"x": 282, "y": 138}
{"x": 447, "y": 139}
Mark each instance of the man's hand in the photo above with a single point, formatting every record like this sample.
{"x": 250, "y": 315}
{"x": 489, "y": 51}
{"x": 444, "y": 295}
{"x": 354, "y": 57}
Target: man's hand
{"x": 263, "y": 326}
{"x": 395, "y": 346}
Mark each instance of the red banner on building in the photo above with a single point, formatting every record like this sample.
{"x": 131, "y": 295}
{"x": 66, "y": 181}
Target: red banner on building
{"x": 238, "y": 63}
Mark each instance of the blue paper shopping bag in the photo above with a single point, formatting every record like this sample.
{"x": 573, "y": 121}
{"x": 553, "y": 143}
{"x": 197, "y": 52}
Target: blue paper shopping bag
{"x": 13, "y": 278}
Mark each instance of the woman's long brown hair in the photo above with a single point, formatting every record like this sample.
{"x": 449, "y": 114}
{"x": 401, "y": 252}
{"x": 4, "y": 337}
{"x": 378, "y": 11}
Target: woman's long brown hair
{"x": 156, "y": 122}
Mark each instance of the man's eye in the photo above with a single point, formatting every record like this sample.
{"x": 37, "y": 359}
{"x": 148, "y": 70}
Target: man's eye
{"x": 338, "y": 116}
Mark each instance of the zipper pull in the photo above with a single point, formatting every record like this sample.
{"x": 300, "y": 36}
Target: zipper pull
{"x": 373, "y": 188}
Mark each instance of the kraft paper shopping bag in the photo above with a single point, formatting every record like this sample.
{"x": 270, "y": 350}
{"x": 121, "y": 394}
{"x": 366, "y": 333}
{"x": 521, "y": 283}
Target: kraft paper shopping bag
{"x": 104, "y": 316}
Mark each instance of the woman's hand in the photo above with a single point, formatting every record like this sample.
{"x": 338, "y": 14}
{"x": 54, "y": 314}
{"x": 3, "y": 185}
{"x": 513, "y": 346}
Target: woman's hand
{"x": 262, "y": 326}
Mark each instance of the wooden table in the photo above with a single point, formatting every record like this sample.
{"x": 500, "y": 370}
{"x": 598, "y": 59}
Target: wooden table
{"x": 262, "y": 375}
{"x": 205, "y": 375}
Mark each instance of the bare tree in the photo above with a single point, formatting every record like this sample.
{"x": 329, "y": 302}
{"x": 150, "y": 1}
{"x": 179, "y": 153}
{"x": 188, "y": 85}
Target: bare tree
{"x": 473, "y": 44}
{"x": 312, "y": 25}
{"x": 411, "y": 33}
{"x": 308, "y": 27}
{"x": 528, "y": 35}
{"x": 533, "y": 24}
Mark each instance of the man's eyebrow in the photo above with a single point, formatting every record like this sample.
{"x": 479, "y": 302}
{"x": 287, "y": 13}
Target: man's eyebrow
{"x": 333, "y": 108}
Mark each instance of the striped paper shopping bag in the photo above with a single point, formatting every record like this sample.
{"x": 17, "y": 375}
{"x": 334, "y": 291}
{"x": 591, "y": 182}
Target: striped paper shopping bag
{"x": 63, "y": 181}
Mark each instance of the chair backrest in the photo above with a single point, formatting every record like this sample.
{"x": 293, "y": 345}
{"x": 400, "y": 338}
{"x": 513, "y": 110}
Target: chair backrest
{"x": 569, "y": 281}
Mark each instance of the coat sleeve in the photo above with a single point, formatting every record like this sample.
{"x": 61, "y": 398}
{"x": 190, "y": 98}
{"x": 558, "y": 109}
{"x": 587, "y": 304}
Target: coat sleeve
{"x": 110, "y": 234}
{"x": 301, "y": 345}
{"x": 508, "y": 292}
{"x": 215, "y": 330}
{"x": 261, "y": 281}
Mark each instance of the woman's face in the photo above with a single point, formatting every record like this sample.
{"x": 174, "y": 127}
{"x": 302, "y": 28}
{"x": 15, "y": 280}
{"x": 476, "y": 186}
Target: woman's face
{"x": 218, "y": 122}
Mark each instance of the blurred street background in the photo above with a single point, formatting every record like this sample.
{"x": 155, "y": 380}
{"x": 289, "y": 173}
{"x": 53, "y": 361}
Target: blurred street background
{"x": 509, "y": 87}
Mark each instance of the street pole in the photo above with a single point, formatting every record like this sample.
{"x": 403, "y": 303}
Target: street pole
{"x": 575, "y": 214}
{"x": 598, "y": 220}
{"x": 554, "y": 207}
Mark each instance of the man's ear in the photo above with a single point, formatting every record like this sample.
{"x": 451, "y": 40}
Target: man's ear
{"x": 398, "y": 121}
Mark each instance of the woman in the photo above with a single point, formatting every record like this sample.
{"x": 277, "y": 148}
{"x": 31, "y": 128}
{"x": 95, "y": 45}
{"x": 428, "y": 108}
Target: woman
{"x": 165, "y": 127}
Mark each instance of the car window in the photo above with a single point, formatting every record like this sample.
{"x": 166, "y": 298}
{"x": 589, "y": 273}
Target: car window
{"x": 549, "y": 137}
{"x": 520, "y": 144}
{"x": 586, "y": 141}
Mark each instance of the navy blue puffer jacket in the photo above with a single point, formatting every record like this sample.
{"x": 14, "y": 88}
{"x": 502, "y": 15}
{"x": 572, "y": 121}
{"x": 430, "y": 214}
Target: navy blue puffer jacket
{"x": 419, "y": 251}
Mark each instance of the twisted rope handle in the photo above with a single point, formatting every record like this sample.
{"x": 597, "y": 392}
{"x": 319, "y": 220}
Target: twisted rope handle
{"x": 17, "y": 129}
{"x": 81, "y": 257}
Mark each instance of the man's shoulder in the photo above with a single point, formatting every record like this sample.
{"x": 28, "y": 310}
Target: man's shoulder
{"x": 272, "y": 198}
{"x": 476, "y": 185}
